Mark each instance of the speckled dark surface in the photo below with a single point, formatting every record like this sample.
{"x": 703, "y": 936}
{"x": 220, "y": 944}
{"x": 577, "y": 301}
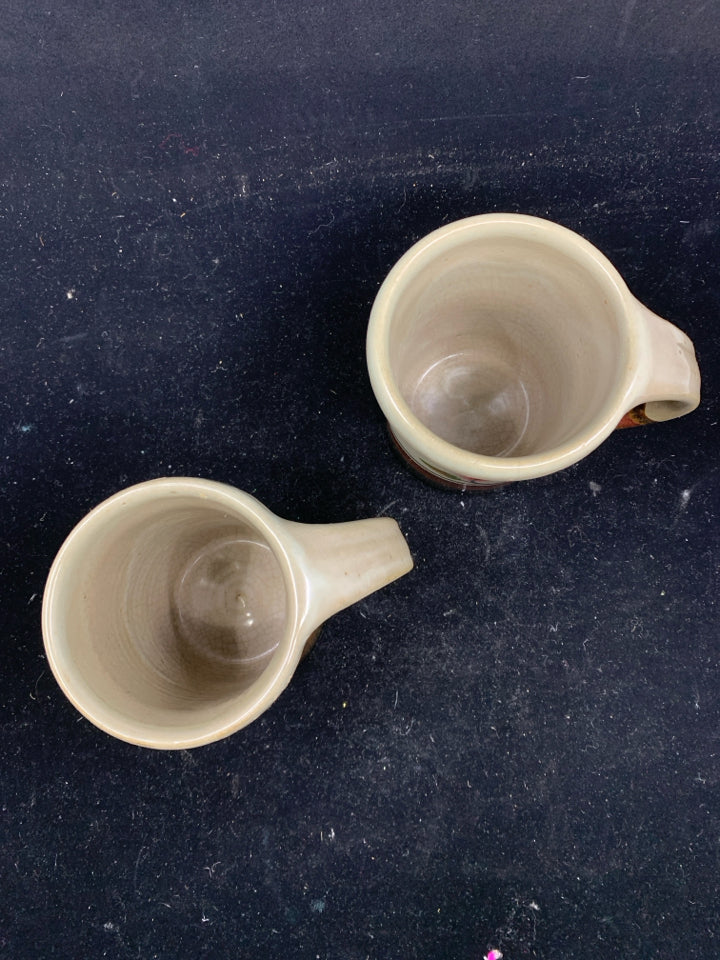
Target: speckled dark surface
{"x": 515, "y": 746}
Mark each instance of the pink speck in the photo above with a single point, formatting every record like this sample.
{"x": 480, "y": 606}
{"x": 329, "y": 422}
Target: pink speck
{"x": 494, "y": 955}
{"x": 181, "y": 144}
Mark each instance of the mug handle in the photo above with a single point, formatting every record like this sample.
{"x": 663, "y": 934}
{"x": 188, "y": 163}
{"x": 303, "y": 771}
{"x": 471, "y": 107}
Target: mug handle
{"x": 345, "y": 562}
{"x": 672, "y": 382}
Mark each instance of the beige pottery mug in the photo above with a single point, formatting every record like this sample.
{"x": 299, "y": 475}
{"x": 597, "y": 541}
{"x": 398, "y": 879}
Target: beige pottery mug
{"x": 177, "y": 611}
{"x": 504, "y": 347}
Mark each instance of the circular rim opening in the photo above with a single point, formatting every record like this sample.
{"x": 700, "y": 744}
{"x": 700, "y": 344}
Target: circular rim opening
{"x": 413, "y": 435}
{"x": 265, "y": 688}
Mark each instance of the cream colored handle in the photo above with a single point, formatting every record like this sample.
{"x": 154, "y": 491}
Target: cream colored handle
{"x": 671, "y": 387}
{"x": 341, "y": 563}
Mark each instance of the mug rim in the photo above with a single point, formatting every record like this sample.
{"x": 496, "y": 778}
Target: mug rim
{"x": 430, "y": 450}
{"x": 267, "y": 687}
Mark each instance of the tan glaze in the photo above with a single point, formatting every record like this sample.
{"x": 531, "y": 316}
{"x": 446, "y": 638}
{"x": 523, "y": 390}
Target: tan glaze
{"x": 505, "y": 347}
{"x": 177, "y": 611}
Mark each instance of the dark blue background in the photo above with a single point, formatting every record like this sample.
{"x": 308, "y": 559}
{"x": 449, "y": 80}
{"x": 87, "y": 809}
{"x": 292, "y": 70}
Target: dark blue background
{"x": 517, "y": 744}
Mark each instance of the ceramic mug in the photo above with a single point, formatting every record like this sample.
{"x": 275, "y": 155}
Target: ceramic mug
{"x": 177, "y": 611}
{"x": 504, "y": 347}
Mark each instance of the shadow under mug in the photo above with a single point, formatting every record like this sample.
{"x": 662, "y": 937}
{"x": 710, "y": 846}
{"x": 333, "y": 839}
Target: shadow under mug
{"x": 177, "y": 610}
{"x": 504, "y": 347}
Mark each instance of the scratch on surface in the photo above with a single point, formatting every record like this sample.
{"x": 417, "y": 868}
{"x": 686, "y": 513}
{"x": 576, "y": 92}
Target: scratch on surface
{"x": 484, "y": 542}
{"x": 625, "y": 21}
{"x": 141, "y": 851}
{"x": 73, "y": 337}
{"x": 701, "y": 9}
{"x": 323, "y": 226}
{"x": 453, "y": 117}
{"x": 34, "y": 696}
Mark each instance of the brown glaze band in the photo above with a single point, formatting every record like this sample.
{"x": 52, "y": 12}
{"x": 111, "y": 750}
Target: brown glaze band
{"x": 310, "y": 642}
{"x": 436, "y": 480}
{"x": 634, "y": 418}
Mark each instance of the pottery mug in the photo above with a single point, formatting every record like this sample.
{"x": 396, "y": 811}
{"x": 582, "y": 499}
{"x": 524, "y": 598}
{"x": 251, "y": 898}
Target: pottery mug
{"x": 504, "y": 347}
{"x": 177, "y": 610}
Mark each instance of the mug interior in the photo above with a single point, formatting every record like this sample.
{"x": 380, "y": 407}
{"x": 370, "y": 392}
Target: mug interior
{"x": 506, "y": 346}
{"x": 165, "y": 615}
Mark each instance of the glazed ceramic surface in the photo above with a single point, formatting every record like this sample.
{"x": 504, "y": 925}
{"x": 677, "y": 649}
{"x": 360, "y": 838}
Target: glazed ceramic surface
{"x": 504, "y": 347}
{"x": 177, "y": 610}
